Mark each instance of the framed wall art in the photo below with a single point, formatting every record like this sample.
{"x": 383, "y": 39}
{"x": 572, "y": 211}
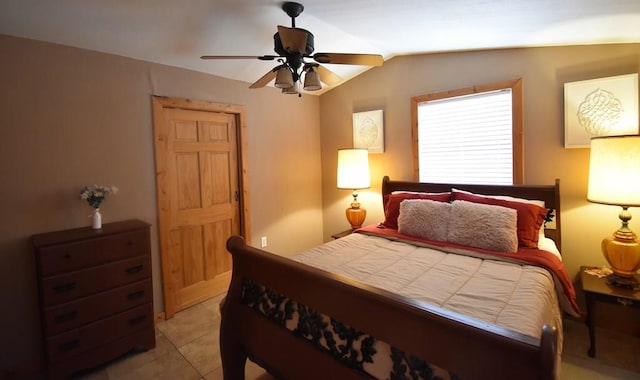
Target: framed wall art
{"x": 368, "y": 131}
{"x": 600, "y": 107}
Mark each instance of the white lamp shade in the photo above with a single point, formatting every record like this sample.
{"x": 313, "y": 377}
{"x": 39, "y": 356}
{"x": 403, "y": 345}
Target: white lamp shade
{"x": 353, "y": 169}
{"x": 614, "y": 170}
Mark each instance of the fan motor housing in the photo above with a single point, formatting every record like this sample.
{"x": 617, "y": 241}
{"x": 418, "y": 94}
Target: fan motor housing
{"x": 281, "y": 51}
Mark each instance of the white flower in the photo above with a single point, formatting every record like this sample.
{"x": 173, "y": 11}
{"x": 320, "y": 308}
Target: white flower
{"x": 95, "y": 194}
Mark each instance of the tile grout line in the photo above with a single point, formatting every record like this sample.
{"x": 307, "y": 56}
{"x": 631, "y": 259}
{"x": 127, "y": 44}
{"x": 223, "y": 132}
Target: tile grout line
{"x": 173, "y": 344}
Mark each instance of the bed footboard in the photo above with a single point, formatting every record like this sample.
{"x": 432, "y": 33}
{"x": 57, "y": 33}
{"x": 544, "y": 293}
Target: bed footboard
{"x": 468, "y": 348}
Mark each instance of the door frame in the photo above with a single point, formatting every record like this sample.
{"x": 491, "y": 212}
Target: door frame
{"x": 159, "y": 104}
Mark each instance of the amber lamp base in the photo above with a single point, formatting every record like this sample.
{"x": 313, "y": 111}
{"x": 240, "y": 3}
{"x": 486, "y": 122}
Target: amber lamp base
{"x": 355, "y": 214}
{"x": 622, "y": 251}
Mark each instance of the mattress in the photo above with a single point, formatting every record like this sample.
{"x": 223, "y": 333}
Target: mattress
{"x": 518, "y": 297}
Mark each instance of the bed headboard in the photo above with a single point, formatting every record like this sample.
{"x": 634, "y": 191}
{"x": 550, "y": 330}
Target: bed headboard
{"x": 550, "y": 194}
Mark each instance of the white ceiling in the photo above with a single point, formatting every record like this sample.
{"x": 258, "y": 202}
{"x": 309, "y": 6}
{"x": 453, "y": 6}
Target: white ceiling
{"x": 178, "y": 32}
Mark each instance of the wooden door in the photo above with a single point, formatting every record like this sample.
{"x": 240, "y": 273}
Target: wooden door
{"x": 199, "y": 202}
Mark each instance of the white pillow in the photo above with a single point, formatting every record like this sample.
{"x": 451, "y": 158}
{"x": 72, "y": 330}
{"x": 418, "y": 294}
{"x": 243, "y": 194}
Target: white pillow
{"x": 548, "y": 245}
{"x": 483, "y": 226}
{"x": 424, "y": 218}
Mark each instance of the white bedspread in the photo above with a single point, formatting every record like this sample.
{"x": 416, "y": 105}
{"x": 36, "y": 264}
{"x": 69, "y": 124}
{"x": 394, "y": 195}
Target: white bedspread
{"x": 517, "y": 297}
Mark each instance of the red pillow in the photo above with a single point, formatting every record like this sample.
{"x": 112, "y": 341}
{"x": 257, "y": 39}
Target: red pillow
{"x": 392, "y": 204}
{"x": 530, "y": 216}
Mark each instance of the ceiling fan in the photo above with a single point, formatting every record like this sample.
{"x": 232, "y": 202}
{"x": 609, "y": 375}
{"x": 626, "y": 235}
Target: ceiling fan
{"x": 294, "y": 48}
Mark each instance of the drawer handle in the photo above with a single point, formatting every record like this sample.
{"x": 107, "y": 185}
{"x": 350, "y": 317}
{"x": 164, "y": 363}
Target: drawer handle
{"x": 66, "y": 317}
{"x": 134, "y": 295}
{"x": 64, "y": 287}
{"x": 624, "y": 302}
{"x": 70, "y": 345}
{"x": 135, "y": 269}
{"x": 136, "y": 320}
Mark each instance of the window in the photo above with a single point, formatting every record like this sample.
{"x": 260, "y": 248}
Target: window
{"x": 471, "y": 135}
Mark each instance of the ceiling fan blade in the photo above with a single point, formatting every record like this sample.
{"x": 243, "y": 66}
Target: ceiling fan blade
{"x": 266, "y": 78}
{"x": 260, "y": 57}
{"x": 328, "y": 76}
{"x": 293, "y": 40}
{"x": 349, "y": 59}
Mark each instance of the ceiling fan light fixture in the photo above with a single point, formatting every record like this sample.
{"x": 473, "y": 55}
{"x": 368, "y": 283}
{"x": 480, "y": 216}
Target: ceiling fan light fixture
{"x": 312, "y": 80}
{"x": 292, "y": 46}
{"x": 284, "y": 78}
{"x": 294, "y": 89}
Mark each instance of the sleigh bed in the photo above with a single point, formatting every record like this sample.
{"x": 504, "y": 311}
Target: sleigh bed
{"x": 437, "y": 290}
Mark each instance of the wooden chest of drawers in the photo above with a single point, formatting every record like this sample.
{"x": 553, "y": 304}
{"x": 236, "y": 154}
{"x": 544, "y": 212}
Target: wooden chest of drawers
{"x": 96, "y": 296}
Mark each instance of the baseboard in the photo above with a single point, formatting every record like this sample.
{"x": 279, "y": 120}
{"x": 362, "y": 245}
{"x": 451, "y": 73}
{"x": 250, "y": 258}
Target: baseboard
{"x": 159, "y": 317}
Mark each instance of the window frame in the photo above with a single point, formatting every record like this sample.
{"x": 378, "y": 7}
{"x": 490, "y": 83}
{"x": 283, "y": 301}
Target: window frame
{"x": 517, "y": 113}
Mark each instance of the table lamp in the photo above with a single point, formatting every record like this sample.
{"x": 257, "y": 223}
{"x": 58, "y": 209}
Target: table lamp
{"x": 353, "y": 174}
{"x": 614, "y": 179}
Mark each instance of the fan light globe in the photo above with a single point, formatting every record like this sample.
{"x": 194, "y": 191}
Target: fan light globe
{"x": 294, "y": 89}
{"x": 312, "y": 80}
{"x": 284, "y": 78}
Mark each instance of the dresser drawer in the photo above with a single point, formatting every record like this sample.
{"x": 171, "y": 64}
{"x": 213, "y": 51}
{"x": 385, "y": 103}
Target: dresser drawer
{"x": 74, "y": 314}
{"x": 75, "y": 342}
{"x": 63, "y": 288}
{"x": 60, "y": 258}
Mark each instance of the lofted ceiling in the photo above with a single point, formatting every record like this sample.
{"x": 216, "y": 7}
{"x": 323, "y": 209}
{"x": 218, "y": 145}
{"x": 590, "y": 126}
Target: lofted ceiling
{"x": 177, "y": 33}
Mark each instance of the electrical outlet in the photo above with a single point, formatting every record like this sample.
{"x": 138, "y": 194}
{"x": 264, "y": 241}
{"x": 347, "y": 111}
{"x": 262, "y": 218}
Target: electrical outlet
{"x": 263, "y": 241}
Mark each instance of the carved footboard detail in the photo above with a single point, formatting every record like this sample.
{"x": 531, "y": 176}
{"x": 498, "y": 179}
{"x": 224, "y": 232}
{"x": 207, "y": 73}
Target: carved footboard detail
{"x": 461, "y": 345}
{"x": 353, "y": 348}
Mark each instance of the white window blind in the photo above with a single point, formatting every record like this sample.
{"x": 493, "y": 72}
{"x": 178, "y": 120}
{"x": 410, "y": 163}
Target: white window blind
{"x": 467, "y": 139}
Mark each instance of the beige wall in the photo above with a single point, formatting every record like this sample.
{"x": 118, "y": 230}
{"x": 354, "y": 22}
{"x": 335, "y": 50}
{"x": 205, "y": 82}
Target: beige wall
{"x": 71, "y": 117}
{"x": 544, "y": 71}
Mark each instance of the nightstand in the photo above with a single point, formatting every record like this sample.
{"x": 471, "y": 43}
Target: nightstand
{"x": 596, "y": 291}
{"x": 342, "y": 234}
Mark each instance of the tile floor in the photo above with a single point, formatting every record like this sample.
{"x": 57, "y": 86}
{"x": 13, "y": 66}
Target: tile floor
{"x": 187, "y": 348}
{"x": 617, "y": 354}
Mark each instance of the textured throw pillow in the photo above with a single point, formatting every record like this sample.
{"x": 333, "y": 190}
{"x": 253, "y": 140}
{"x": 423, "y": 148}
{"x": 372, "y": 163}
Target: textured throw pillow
{"x": 530, "y": 216}
{"x": 483, "y": 226}
{"x": 424, "y": 218}
{"x": 541, "y": 233}
{"x": 392, "y": 204}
